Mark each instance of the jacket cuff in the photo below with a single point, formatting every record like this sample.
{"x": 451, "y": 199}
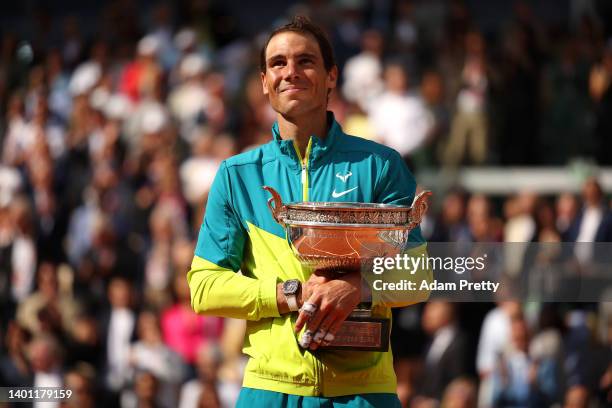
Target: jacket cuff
{"x": 267, "y": 298}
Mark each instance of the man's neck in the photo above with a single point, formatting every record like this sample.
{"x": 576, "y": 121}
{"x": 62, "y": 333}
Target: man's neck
{"x": 300, "y": 129}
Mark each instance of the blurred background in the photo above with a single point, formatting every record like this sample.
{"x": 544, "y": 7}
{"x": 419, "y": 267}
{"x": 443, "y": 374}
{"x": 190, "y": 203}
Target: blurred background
{"x": 114, "y": 117}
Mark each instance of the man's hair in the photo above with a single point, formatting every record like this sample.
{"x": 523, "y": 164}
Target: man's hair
{"x": 303, "y": 25}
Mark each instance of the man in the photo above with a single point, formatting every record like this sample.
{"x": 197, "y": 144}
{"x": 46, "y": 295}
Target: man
{"x": 399, "y": 117}
{"x": 592, "y": 224}
{"x": 310, "y": 159}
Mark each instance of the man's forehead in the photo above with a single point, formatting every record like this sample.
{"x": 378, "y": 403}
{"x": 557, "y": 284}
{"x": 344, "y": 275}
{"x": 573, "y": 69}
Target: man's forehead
{"x": 292, "y": 43}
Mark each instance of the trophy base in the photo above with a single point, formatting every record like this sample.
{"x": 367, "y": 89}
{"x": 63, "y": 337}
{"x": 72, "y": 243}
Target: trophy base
{"x": 359, "y": 333}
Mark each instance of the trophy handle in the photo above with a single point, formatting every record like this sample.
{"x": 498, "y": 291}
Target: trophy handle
{"x": 419, "y": 208}
{"x": 278, "y": 209}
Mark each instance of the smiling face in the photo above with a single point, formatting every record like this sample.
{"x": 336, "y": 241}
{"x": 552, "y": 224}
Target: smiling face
{"x": 295, "y": 80}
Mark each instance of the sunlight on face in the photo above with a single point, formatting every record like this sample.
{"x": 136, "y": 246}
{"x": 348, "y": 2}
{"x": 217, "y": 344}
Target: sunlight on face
{"x": 295, "y": 80}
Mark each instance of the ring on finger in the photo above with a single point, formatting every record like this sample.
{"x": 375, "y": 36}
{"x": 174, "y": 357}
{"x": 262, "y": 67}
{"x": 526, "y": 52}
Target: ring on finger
{"x": 309, "y": 308}
{"x": 319, "y": 335}
{"x": 306, "y": 339}
{"x": 327, "y": 339}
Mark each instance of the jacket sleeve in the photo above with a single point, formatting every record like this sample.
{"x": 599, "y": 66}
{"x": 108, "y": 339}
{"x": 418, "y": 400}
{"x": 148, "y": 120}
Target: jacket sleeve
{"x": 217, "y": 288}
{"x": 396, "y": 185}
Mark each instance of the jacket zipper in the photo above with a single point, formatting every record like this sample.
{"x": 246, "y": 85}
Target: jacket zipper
{"x": 304, "y": 165}
{"x": 304, "y": 179}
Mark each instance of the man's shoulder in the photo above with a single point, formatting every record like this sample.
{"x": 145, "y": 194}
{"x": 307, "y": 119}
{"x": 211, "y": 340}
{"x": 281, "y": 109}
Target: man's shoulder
{"x": 253, "y": 156}
{"x": 358, "y": 144}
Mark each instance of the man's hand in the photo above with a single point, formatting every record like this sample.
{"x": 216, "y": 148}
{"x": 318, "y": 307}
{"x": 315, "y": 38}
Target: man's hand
{"x": 334, "y": 298}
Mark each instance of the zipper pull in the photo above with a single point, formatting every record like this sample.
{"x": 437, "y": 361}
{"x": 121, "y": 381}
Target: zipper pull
{"x": 303, "y": 173}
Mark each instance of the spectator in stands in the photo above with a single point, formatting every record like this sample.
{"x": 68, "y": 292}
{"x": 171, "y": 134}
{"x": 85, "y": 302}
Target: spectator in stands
{"x": 139, "y": 79}
{"x": 45, "y": 355}
{"x": 48, "y": 204}
{"x": 520, "y": 379}
{"x": 146, "y": 392}
{"x": 577, "y": 396}
{"x": 451, "y": 225}
{"x": 566, "y": 208}
{"x": 119, "y": 325}
{"x": 85, "y": 343}
{"x": 546, "y": 228}
{"x": 190, "y": 98}
{"x": 208, "y": 385}
{"x": 434, "y": 96}
{"x": 460, "y": 393}
{"x": 184, "y": 331}
{"x": 14, "y": 148}
{"x": 592, "y": 224}
{"x": 15, "y": 370}
{"x": 17, "y": 256}
{"x": 159, "y": 270}
{"x": 197, "y": 172}
{"x": 469, "y": 125}
{"x": 48, "y": 310}
{"x": 399, "y": 117}
{"x": 81, "y": 381}
{"x": 150, "y": 354}
{"x": 494, "y": 338}
{"x": 363, "y": 72}
{"x": 57, "y": 81}
{"x": 446, "y": 357}
{"x": 484, "y": 227}
{"x": 600, "y": 87}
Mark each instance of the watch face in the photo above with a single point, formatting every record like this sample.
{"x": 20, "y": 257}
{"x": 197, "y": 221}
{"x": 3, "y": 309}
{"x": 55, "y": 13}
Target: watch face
{"x": 290, "y": 287}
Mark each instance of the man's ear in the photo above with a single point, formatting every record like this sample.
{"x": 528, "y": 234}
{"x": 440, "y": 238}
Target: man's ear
{"x": 264, "y": 83}
{"x": 332, "y": 77}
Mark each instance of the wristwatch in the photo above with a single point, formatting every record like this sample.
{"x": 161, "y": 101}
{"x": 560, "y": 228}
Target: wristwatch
{"x": 291, "y": 288}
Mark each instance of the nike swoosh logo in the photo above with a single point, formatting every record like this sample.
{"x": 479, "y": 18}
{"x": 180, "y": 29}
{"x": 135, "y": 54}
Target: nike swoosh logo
{"x": 340, "y": 194}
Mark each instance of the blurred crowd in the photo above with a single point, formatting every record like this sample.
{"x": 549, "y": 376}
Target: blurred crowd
{"x": 110, "y": 137}
{"x": 512, "y": 353}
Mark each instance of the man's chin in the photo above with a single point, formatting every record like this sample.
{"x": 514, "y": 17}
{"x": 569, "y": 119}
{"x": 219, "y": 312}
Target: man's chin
{"x": 293, "y": 108}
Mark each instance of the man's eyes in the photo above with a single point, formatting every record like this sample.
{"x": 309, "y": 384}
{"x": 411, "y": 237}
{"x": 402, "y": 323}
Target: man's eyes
{"x": 301, "y": 61}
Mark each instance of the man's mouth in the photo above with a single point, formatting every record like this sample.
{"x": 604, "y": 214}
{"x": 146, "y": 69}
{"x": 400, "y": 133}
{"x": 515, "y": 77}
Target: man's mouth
{"x": 292, "y": 90}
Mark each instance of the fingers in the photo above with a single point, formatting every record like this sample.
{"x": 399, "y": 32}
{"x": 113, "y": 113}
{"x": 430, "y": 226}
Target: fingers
{"x": 322, "y": 331}
{"x": 305, "y": 339}
{"x": 324, "y": 335}
{"x": 324, "y": 311}
{"x": 334, "y": 327}
{"x": 315, "y": 321}
{"x": 307, "y": 311}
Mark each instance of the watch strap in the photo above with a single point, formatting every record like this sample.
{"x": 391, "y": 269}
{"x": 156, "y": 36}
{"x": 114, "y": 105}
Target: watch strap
{"x": 292, "y": 302}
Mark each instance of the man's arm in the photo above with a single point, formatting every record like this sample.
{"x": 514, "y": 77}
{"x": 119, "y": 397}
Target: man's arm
{"x": 217, "y": 291}
{"x": 216, "y": 287}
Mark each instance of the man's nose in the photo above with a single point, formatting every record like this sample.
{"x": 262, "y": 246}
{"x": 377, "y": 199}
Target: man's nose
{"x": 291, "y": 70}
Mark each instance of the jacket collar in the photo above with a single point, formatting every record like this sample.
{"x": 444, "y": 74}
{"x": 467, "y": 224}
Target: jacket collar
{"x": 319, "y": 149}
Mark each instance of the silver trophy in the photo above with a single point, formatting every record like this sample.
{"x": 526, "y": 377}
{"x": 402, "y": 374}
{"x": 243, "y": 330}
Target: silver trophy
{"x": 337, "y": 237}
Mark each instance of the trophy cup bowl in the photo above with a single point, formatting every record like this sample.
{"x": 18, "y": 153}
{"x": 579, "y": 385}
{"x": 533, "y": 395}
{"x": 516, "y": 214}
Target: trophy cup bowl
{"x": 342, "y": 237}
